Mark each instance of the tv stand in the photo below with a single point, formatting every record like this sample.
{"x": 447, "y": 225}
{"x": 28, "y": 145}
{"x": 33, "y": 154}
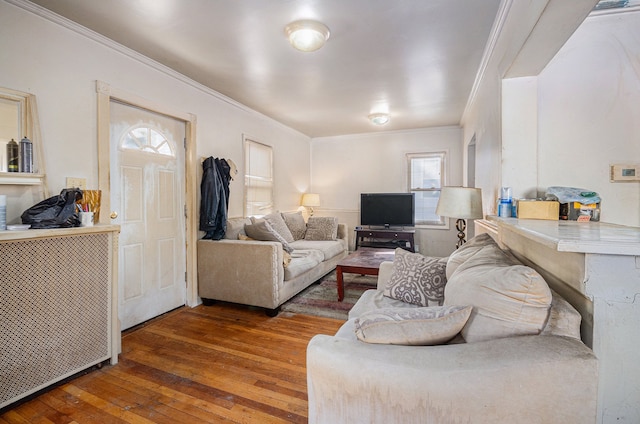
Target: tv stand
{"x": 385, "y": 238}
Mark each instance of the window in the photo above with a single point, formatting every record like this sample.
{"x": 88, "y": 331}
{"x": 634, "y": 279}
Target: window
{"x": 148, "y": 140}
{"x": 258, "y": 178}
{"x": 426, "y": 178}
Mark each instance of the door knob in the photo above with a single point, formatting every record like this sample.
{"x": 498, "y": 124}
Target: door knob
{"x": 113, "y": 215}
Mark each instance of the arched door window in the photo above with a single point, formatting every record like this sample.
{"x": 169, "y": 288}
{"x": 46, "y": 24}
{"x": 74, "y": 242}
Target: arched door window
{"x": 148, "y": 140}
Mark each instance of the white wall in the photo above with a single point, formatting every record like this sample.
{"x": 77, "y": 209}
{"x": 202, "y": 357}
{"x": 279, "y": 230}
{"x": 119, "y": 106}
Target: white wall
{"x": 566, "y": 125}
{"x": 342, "y": 167}
{"x": 589, "y": 113}
{"x": 60, "y": 66}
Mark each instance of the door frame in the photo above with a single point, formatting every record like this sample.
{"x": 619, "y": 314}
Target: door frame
{"x": 106, "y": 93}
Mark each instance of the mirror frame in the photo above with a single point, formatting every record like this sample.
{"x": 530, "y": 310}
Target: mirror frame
{"x": 30, "y": 128}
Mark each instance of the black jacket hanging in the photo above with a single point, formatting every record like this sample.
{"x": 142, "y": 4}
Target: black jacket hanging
{"x": 214, "y": 202}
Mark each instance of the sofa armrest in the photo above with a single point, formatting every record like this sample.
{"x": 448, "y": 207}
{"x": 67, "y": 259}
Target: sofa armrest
{"x": 533, "y": 379}
{"x": 240, "y": 271}
{"x": 343, "y": 231}
{"x": 384, "y": 273}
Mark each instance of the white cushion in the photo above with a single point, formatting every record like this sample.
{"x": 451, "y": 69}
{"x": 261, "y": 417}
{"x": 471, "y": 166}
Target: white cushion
{"x": 412, "y": 326}
{"x": 467, "y": 250}
{"x": 372, "y": 300}
{"x": 508, "y": 300}
{"x": 328, "y": 248}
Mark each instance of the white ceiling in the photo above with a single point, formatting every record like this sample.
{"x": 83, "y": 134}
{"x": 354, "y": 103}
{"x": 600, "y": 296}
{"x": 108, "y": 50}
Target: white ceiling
{"x": 416, "y": 59}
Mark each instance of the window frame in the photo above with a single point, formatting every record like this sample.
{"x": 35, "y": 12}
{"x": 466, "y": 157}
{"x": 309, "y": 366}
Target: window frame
{"x": 247, "y": 142}
{"x": 443, "y": 223}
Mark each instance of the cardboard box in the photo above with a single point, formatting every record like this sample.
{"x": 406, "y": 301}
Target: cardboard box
{"x": 538, "y": 209}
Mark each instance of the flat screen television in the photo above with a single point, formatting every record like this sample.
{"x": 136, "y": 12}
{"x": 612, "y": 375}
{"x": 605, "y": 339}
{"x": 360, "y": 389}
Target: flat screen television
{"x": 387, "y": 209}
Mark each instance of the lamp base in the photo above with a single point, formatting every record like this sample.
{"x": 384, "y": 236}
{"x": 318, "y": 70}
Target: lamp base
{"x": 461, "y": 225}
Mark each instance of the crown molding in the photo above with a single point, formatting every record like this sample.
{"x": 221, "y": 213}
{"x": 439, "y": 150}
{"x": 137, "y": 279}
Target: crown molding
{"x": 373, "y": 134}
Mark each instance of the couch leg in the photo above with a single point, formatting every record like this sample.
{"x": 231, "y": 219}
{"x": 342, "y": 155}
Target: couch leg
{"x": 272, "y": 312}
{"x": 208, "y": 302}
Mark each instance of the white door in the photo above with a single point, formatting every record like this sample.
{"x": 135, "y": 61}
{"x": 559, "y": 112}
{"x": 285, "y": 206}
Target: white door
{"x": 147, "y": 193}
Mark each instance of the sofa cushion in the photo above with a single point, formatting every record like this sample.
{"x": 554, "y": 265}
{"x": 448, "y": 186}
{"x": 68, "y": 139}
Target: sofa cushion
{"x": 417, "y": 279}
{"x": 262, "y": 230}
{"x": 322, "y": 228}
{"x": 328, "y": 248}
{"x": 278, "y": 225}
{"x": 508, "y": 300}
{"x": 415, "y": 326}
{"x": 372, "y": 300}
{"x": 235, "y": 227}
{"x": 301, "y": 262}
{"x": 295, "y": 223}
{"x": 564, "y": 319}
{"x": 467, "y": 250}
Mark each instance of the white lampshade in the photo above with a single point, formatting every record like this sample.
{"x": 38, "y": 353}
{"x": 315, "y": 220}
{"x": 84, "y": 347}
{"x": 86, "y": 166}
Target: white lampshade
{"x": 310, "y": 199}
{"x": 460, "y": 202}
{"x": 306, "y": 35}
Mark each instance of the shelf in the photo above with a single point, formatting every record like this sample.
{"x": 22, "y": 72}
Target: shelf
{"x": 20, "y": 178}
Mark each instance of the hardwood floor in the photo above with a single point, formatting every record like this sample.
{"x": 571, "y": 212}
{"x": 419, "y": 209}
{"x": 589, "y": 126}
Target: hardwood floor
{"x": 209, "y": 364}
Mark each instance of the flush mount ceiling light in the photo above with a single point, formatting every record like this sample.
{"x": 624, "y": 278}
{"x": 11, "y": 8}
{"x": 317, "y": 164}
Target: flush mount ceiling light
{"x": 306, "y": 35}
{"x": 379, "y": 118}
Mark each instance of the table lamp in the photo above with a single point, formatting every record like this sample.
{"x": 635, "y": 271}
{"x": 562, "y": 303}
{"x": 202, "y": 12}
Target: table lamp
{"x": 461, "y": 203}
{"x": 309, "y": 200}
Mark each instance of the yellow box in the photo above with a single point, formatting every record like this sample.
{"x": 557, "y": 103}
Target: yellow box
{"x": 538, "y": 209}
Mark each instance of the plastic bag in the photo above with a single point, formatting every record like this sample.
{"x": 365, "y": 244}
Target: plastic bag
{"x": 55, "y": 212}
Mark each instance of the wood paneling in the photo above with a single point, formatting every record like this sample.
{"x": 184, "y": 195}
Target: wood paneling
{"x": 223, "y": 363}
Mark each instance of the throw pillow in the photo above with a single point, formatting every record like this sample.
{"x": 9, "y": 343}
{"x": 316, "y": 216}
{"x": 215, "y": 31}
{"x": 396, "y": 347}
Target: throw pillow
{"x": 286, "y": 256}
{"x": 235, "y": 227}
{"x": 412, "y": 326}
{"x": 279, "y": 226}
{"x": 417, "y": 279}
{"x": 467, "y": 250}
{"x": 322, "y": 228}
{"x": 508, "y": 300}
{"x": 295, "y": 223}
{"x": 262, "y": 230}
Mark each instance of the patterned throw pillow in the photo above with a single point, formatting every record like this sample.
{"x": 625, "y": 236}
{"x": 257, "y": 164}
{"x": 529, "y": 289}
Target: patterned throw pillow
{"x": 278, "y": 225}
{"x": 322, "y": 228}
{"x": 295, "y": 223}
{"x": 412, "y": 326}
{"x": 262, "y": 230}
{"x": 417, "y": 279}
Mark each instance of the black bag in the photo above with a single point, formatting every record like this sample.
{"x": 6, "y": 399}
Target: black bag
{"x": 55, "y": 212}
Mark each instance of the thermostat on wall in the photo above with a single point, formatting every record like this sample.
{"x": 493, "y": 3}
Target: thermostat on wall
{"x": 625, "y": 173}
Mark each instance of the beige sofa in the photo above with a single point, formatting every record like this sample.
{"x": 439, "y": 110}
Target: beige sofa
{"x": 253, "y": 272}
{"x": 531, "y": 376}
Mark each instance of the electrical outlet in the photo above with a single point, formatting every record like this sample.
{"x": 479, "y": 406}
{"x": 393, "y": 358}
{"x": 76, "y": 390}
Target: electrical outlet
{"x": 416, "y": 247}
{"x": 73, "y": 182}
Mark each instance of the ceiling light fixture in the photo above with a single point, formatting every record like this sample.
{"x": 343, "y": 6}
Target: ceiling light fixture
{"x": 306, "y": 35}
{"x": 379, "y": 118}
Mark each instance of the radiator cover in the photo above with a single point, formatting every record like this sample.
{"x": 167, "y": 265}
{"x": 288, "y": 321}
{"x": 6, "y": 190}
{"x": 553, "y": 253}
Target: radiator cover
{"x": 55, "y": 310}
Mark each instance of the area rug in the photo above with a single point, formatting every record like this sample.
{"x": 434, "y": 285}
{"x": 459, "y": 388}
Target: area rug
{"x": 321, "y": 298}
